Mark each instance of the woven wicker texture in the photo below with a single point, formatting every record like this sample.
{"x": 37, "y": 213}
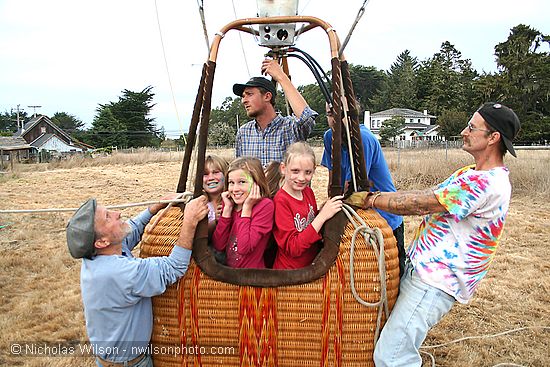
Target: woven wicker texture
{"x": 314, "y": 324}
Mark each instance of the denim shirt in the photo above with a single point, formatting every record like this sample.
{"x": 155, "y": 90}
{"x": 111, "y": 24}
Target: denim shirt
{"x": 117, "y": 290}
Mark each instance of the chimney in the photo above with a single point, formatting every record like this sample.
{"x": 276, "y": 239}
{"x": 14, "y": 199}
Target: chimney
{"x": 366, "y": 122}
{"x": 425, "y": 112}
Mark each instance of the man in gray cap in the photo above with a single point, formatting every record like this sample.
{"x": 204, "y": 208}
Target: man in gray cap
{"x": 269, "y": 134}
{"x": 456, "y": 240}
{"x": 116, "y": 287}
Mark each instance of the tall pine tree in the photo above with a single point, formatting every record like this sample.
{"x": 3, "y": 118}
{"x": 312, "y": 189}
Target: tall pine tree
{"x": 400, "y": 87}
{"x": 525, "y": 79}
{"x": 127, "y": 121}
{"x": 447, "y": 81}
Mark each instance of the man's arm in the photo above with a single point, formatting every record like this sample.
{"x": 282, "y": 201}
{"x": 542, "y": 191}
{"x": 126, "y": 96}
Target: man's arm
{"x": 295, "y": 99}
{"x": 150, "y": 277}
{"x": 405, "y": 202}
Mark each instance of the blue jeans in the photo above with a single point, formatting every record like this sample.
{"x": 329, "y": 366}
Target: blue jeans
{"x": 419, "y": 307}
{"x": 145, "y": 362}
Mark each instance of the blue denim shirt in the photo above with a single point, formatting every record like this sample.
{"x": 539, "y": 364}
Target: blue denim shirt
{"x": 117, "y": 290}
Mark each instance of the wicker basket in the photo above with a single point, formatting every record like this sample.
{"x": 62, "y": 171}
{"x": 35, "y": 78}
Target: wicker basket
{"x": 205, "y": 322}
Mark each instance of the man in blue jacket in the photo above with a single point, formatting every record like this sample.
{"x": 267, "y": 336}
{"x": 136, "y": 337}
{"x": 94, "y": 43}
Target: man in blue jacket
{"x": 117, "y": 287}
{"x": 377, "y": 172}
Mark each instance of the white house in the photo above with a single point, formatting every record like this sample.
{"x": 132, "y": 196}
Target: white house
{"x": 52, "y": 142}
{"x": 417, "y": 124}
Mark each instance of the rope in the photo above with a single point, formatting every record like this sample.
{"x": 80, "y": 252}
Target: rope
{"x": 192, "y": 169}
{"x": 374, "y": 237}
{"x": 485, "y": 336}
{"x": 201, "y": 12}
{"x": 241, "y": 39}
{"x": 182, "y": 198}
{"x": 304, "y": 8}
{"x": 357, "y": 18}
{"x": 356, "y": 149}
{"x": 186, "y": 196}
{"x": 299, "y": 32}
{"x": 481, "y": 337}
{"x": 432, "y": 358}
{"x": 193, "y": 163}
{"x": 168, "y": 74}
{"x": 346, "y": 123}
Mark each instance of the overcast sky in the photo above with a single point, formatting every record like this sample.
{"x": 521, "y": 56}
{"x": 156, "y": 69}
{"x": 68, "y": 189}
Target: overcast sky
{"x": 70, "y": 56}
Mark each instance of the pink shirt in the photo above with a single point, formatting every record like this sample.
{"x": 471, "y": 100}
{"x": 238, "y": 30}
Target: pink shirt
{"x": 296, "y": 238}
{"x": 244, "y": 239}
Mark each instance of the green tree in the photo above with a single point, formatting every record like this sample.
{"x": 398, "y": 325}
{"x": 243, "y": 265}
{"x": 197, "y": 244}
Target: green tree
{"x": 161, "y": 134}
{"x": 129, "y": 116}
{"x": 223, "y": 135}
{"x": 367, "y": 83}
{"x": 67, "y": 122}
{"x": 315, "y": 99}
{"x": 488, "y": 87}
{"x": 391, "y": 128}
{"x": 70, "y": 124}
{"x": 222, "y": 127}
{"x": 452, "y": 122}
{"x": 106, "y": 130}
{"x": 525, "y": 69}
{"x": 181, "y": 141}
{"x": 400, "y": 87}
{"x": 447, "y": 81}
{"x": 8, "y": 120}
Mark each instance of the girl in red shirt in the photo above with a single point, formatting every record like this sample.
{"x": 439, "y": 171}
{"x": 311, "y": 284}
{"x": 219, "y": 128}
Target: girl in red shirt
{"x": 246, "y": 221}
{"x": 297, "y": 220}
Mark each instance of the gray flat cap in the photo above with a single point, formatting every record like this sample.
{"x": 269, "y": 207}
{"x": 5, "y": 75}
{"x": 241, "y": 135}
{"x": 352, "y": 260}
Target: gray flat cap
{"x": 80, "y": 231}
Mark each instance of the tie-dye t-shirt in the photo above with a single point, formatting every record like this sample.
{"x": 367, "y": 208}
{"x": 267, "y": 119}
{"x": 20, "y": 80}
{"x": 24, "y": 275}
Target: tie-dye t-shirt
{"x": 452, "y": 250}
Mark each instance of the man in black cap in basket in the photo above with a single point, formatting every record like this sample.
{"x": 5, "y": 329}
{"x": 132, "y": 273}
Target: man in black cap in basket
{"x": 269, "y": 134}
{"x": 457, "y": 239}
{"x": 116, "y": 287}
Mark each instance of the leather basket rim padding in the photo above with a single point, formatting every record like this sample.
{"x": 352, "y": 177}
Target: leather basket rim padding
{"x": 332, "y": 233}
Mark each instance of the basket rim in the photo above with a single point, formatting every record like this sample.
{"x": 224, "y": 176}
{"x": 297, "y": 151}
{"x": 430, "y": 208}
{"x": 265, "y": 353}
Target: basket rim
{"x": 332, "y": 232}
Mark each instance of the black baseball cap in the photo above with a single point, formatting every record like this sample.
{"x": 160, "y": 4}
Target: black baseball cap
{"x": 503, "y": 120}
{"x": 257, "y": 81}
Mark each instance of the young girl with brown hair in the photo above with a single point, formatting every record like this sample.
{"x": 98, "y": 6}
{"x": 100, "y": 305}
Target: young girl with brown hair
{"x": 246, "y": 220}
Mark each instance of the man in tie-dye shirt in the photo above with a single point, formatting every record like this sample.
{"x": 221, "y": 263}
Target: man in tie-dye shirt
{"x": 457, "y": 239}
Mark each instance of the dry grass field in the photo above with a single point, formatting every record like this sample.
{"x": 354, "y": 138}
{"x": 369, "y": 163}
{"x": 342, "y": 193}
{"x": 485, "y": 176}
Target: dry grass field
{"x": 39, "y": 281}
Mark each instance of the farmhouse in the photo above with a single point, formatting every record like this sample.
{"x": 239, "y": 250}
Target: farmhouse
{"x": 41, "y": 133}
{"x": 418, "y": 125}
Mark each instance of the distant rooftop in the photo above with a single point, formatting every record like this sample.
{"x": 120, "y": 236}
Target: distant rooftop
{"x": 13, "y": 142}
{"x": 401, "y": 112}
